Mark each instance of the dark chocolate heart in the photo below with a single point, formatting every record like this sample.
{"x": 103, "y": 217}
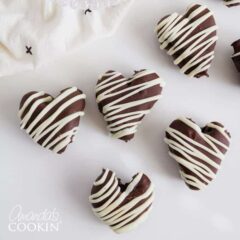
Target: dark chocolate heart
{"x": 52, "y": 122}
{"x": 122, "y": 206}
{"x": 199, "y": 152}
{"x": 124, "y": 102}
{"x": 190, "y": 39}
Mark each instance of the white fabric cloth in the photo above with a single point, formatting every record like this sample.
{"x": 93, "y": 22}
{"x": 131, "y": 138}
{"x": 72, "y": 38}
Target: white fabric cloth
{"x": 34, "y": 32}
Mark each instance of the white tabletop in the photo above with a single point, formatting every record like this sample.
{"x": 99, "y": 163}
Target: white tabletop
{"x": 38, "y": 179}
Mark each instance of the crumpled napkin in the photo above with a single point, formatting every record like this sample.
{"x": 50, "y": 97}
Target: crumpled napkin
{"x": 35, "y": 32}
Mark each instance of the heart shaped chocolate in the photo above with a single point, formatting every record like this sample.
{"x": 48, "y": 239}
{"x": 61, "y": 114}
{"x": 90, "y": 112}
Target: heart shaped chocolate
{"x": 52, "y": 122}
{"x": 122, "y": 206}
{"x": 124, "y": 102}
{"x": 236, "y": 55}
{"x": 199, "y": 152}
{"x": 232, "y": 3}
{"x": 190, "y": 39}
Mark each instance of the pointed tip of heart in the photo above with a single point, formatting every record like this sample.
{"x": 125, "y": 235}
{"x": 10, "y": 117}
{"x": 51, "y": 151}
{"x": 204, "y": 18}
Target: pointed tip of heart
{"x": 232, "y": 3}
{"x": 127, "y": 138}
{"x": 202, "y": 74}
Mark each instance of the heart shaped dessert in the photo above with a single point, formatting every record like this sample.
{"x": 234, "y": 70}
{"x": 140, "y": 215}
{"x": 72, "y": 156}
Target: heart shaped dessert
{"x": 232, "y": 3}
{"x": 122, "y": 206}
{"x": 124, "y": 102}
{"x": 190, "y": 39}
{"x": 199, "y": 152}
{"x": 52, "y": 122}
{"x": 236, "y": 55}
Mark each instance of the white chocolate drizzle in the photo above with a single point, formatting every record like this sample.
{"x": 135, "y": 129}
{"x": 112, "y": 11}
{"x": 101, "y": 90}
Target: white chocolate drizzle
{"x": 190, "y": 152}
{"x": 236, "y": 55}
{"x": 124, "y": 124}
{"x": 121, "y": 217}
{"x": 178, "y": 30}
{"x": 49, "y": 128}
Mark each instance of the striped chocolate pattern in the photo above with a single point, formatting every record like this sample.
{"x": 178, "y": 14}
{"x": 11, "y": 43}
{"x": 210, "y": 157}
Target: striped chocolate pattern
{"x": 124, "y": 102}
{"x": 52, "y": 122}
{"x": 190, "y": 39}
{"x": 199, "y": 152}
{"x": 121, "y": 206}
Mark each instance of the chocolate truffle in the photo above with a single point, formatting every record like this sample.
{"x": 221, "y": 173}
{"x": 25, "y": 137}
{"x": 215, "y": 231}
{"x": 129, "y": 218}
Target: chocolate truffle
{"x": 121, "y": 206}
{"x": 124, "y": 102}
{"x": 190, "y": 39}
{"x": 236, "y": 55}
{"x": 52, "y": 122}
{"x": 232, "y": 3}
{"x": 198, "y": 151}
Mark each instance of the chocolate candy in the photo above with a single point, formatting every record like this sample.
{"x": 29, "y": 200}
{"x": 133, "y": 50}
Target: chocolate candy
{"x": 125, "y": 101}
{"x": 236, "y": 55}
{"x": 122, "y": 206}
{"x": 52, "y": 122}
{"x": 199, "y": 152}
{"x": 232, "y": 3}
{"x": 190, "y": 39}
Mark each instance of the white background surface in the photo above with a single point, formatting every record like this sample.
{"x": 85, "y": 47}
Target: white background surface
{"x": 38, "y": 179}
